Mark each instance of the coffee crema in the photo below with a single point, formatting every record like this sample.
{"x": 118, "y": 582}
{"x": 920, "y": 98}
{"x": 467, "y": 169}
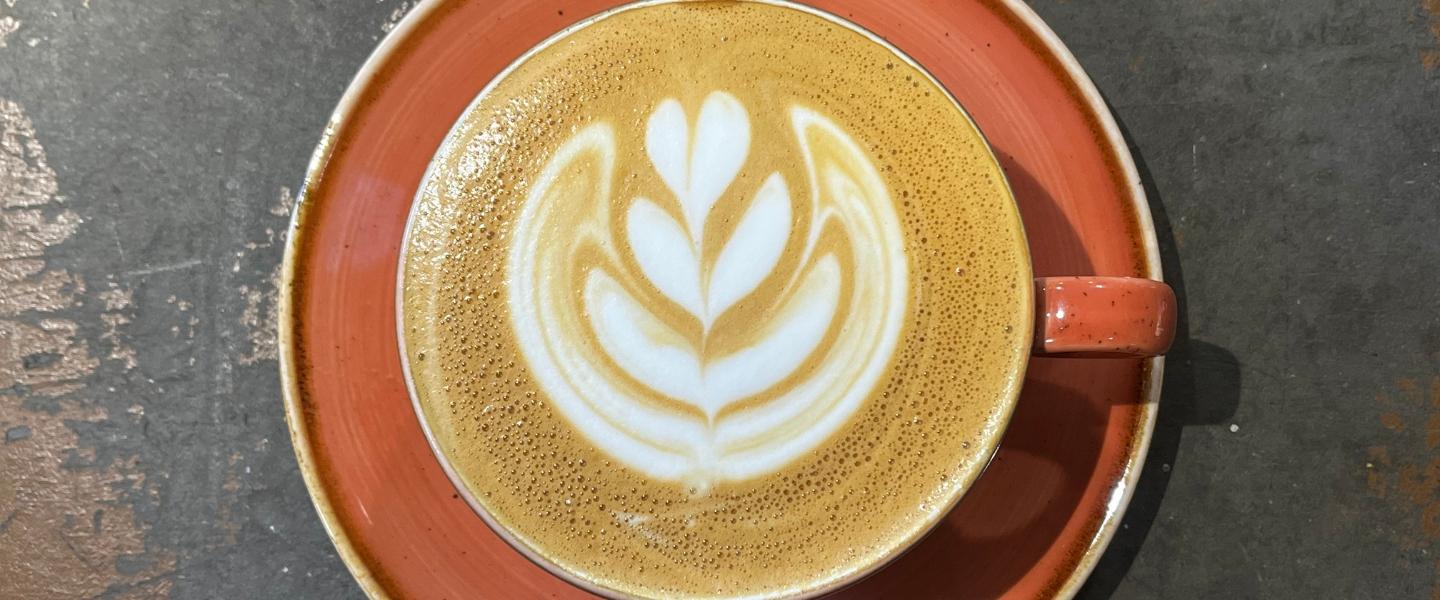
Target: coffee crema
{"x": 714, "y": 298}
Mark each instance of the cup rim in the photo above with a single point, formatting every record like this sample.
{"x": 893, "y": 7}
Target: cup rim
{"x": 1005, "y": 405}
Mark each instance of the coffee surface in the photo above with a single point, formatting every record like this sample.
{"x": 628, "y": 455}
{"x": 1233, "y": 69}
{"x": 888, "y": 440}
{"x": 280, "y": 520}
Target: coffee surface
{"x": 714, "y": 298}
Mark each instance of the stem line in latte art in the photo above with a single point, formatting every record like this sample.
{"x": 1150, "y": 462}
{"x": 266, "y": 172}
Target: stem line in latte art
{"x": 624, "y": 371}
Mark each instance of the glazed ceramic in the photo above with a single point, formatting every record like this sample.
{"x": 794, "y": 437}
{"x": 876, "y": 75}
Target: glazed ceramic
{"x": 1032, "y": 526}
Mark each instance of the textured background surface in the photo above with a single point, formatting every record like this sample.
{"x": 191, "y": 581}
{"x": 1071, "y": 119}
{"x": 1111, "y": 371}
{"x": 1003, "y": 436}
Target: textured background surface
{"x": 148, "y": 153}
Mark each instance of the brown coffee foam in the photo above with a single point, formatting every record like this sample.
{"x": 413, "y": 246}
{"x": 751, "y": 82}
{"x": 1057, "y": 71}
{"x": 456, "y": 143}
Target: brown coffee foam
{"x": 878, "y": 481}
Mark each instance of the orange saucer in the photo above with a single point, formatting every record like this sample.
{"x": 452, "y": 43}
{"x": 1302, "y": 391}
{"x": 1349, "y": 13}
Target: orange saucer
{"x": 1035, "y": 523}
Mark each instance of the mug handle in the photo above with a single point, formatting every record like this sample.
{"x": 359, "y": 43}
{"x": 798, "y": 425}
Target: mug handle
{"x": 1102, "y": 317}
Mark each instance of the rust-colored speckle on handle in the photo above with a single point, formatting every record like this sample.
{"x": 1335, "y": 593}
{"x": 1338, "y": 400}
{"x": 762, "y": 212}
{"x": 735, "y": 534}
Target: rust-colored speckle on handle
{"x": 1103, "y": 316}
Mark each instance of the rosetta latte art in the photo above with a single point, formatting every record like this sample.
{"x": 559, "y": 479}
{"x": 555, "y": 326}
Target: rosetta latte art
{"x": 618, "y": 305}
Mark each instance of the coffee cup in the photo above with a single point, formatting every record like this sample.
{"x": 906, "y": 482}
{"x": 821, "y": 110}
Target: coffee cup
{"x": 706, "y": 299}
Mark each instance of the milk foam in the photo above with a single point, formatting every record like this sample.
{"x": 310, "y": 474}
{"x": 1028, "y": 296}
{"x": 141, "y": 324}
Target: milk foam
{"x": 604, "y": 358}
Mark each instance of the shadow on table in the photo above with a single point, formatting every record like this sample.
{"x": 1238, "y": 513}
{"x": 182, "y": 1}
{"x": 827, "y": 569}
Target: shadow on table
{"x": 1201, "y": 387}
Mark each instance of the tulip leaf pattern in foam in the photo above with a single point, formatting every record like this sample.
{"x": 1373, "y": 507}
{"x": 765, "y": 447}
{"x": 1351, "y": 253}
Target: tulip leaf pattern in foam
{"x": 649, "y": 388}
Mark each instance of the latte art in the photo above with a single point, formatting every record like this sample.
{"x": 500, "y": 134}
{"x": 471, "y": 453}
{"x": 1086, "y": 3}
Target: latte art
{"x": 713, "y": 299}
{"x": 660, "y": 389}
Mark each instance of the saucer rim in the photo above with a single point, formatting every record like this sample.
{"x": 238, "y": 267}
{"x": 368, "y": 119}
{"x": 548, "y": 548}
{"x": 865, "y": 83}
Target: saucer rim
{"x": 1122, "y": 488}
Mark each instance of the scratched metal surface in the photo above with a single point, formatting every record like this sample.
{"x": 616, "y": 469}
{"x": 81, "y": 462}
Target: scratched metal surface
{"x": 149, "y": 151}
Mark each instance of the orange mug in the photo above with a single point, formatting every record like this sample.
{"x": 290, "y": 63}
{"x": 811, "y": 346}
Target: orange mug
{"x": 1081, "y": 316}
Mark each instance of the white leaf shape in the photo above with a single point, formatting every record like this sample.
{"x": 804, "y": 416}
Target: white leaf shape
{"x": 698, "y": 169}
{"x": 577, "y": 181}
{"x": 647, "y": 348}
{"x": 787, "y": 341}
{"x": 847, "y": 190}
{"x": 667, "y": 142}
{"x": 722, "y": 141}
{"x": 665, "y": 254}
{"x": 753, "y": 250}
{"x": 601, "y": 356}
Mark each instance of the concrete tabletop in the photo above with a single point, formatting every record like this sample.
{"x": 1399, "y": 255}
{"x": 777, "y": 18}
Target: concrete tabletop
{"x": 149, "y": 153}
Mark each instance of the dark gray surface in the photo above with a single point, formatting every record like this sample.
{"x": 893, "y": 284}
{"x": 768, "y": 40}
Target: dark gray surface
{"x": 1292, "y": 149}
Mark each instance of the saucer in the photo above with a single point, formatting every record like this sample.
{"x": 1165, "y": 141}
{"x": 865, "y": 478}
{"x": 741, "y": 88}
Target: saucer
{"x": 1034, "y": 524}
